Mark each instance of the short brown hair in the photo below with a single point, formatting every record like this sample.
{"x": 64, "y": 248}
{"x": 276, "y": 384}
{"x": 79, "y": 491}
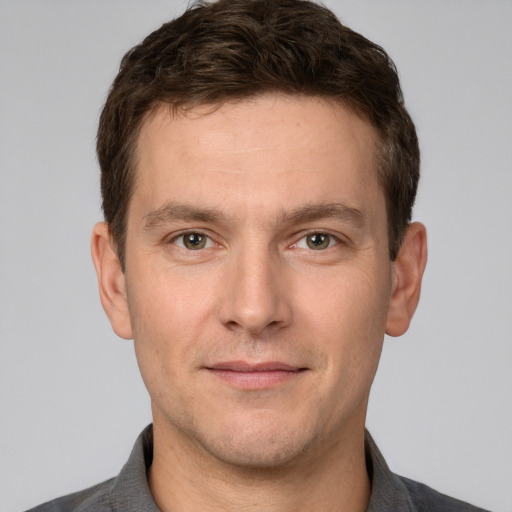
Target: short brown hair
{"x": 235, "y": 49}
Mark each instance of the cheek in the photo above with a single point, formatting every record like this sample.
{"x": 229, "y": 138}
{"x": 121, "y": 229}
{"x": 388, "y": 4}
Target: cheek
{"x": 159, "y": 328}
{"x": 169, "y": 313}
{"x": 349, "y": 301}
{"x": 163, "y": 344}
{"x": 165, "y": 303}
{"x": 347, "y": 316}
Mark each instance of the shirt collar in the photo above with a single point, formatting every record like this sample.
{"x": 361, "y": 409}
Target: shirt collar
{"x": 130, "y": 491}
{"x": 389, "y": 493}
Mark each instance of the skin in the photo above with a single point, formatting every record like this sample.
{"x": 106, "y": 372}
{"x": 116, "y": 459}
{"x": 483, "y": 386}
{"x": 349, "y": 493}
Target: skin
{"x": 258, "y": 351}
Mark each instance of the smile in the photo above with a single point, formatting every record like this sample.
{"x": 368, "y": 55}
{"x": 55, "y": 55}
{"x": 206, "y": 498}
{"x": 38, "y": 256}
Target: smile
{"x": 259, "y": 376}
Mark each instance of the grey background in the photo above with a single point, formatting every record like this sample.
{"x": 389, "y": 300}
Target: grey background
{"x": 71, "y": 400}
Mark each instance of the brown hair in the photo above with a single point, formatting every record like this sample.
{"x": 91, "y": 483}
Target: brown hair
{"x": 235, "y": 49}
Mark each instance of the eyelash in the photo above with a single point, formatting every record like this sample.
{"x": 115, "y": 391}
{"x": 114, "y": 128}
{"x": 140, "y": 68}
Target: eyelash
{"x": 333, "y": 241}
{"x": 209, "y": 242}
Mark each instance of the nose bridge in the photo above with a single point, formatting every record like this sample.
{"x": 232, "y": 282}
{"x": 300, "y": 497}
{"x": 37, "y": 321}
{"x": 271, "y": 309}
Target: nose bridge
{"x": 255, "y": 297}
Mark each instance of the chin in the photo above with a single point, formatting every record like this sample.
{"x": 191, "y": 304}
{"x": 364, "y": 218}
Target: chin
{"x": 258, "y": 448}
{"x": 256, "y": 457}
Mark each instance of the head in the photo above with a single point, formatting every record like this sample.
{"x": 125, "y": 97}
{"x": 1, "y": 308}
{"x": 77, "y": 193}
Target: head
{"x": 238, "y": 49}
{"x": 258, "y": 174}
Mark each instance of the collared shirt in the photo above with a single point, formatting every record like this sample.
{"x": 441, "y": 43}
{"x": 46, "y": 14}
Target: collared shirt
{"x": 129, "y": 491}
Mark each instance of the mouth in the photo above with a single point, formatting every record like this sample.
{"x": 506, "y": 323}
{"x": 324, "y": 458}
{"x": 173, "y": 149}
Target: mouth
{"x": 243, "y": 375}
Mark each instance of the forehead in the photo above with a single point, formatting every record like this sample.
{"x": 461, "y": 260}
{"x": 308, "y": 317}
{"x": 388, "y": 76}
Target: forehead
{"x": 276, "y": 149}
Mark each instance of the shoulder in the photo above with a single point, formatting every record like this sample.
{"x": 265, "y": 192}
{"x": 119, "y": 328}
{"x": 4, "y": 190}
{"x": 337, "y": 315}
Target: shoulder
{"x": 93, "y": 499}
{"x": 426, "y": 499}
{"x": 129, "y": 490}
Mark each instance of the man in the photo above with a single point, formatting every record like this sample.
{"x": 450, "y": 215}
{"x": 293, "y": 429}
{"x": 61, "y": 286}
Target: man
{"x": 258, "y": 175}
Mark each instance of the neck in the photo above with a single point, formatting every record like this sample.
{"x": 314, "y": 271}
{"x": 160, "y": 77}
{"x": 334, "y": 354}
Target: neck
{"x": 184, "y": 477}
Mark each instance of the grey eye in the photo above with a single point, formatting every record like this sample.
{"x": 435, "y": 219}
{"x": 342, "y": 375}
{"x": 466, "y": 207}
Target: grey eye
{"x": 318, "y": 241}
{"x": 192, "y": 241}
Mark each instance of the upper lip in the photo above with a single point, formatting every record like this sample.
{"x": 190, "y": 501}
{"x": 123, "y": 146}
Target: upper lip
{"x": 243, "y": 366}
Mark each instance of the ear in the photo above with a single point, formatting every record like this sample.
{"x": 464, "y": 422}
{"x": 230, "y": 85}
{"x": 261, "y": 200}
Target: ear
{"x": 407, "y": 275}
{"x": 111, "y": 281}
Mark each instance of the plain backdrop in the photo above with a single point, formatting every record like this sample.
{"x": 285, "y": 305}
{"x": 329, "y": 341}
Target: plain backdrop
{"x": 71, "y": 399}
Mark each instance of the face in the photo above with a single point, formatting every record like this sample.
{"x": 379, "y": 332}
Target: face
{"x": 257, "y": 279}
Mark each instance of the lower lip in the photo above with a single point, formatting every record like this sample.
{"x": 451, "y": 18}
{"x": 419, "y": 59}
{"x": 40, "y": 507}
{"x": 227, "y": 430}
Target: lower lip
{"x": 255, "y": 380}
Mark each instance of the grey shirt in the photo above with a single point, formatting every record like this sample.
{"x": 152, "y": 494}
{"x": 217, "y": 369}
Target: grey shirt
{"x": 129, "y": 491}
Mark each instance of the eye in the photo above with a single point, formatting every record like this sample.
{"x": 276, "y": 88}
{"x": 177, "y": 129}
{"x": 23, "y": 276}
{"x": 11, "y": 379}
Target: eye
{"x": 317, "y": 241}
{"x": 193, "y": 241}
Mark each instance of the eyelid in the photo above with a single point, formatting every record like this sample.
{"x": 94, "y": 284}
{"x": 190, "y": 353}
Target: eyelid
{"x": 171, "y": 239}
{"x": 336, "y": 238}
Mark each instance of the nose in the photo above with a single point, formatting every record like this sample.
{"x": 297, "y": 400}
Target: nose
{"x": 255, "y": 297}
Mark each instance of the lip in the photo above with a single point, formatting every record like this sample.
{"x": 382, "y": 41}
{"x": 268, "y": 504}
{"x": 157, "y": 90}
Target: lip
{"x": 248, "y": 376}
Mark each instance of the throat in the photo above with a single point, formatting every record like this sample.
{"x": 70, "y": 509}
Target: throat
{"x": 179, "y": 482}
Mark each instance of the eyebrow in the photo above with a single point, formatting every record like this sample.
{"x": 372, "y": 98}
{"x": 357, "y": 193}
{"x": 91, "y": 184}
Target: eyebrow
{"x": 173, "y": 211}
{"x": 339, "y": 211}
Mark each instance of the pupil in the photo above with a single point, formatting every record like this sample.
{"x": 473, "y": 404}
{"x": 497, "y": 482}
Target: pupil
{"x": 194, "y": 239}
{"x": 318, "y": 239}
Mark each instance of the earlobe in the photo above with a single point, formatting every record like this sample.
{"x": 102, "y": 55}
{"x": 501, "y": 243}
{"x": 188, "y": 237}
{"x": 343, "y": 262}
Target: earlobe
{"x": 407, "y": 275}
{"x": 111, "y": 281}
